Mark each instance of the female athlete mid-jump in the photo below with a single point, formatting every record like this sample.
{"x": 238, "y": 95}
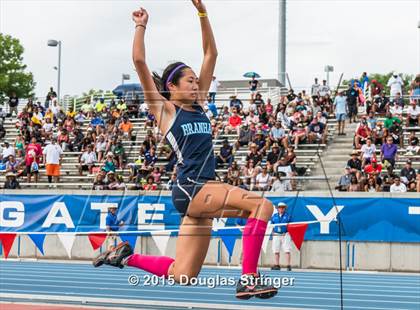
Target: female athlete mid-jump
{"x": 176, "y": 100}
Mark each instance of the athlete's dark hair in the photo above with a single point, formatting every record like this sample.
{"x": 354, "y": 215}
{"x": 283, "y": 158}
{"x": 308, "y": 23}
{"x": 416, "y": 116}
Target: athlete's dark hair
{"x": 162, "y": 81}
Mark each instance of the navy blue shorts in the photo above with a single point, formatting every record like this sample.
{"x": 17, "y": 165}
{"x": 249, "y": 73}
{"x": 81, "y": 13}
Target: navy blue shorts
{"x": 184, "y": 192}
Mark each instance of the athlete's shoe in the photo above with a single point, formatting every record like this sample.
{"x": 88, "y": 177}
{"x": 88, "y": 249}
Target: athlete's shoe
{"x": 114, "y": 256}
{"x": 251, "y": 285}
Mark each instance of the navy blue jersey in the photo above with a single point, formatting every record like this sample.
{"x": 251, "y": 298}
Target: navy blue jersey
{"x": 190, "y": 136}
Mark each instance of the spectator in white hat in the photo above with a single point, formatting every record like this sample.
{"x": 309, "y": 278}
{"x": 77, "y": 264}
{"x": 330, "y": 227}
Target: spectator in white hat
{"x": 395, "y": 83}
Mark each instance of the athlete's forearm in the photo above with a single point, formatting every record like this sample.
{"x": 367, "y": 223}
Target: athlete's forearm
{"x": 209, "y": 43}
{"x": 139, "y": 49}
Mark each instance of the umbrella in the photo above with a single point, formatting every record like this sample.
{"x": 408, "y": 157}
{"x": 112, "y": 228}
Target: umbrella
{"x": 252, "y": 74}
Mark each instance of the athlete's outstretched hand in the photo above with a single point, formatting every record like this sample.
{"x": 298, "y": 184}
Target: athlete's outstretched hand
{"x": 140, "y": 17}
{"x": 200, "y": 6}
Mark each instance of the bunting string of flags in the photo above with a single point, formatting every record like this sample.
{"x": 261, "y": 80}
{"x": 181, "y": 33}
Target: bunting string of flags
{"x": 229, "y": 235}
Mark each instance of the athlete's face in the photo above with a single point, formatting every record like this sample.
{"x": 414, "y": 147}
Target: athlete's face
{"x": 187, "y": 88}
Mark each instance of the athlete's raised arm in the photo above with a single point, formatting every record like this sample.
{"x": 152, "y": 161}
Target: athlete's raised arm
{"x": 209, "y": 49}
{"x": 155, "y": 101}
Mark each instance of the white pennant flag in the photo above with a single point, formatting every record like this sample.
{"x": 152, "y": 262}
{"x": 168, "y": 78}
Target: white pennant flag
{"x": 267, "y": 237}
{"x": 67, "y": 240}
{"x": 161, "y": 239}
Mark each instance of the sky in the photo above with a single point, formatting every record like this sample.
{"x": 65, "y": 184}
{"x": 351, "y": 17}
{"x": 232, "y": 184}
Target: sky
{"x": 377, "y": 36}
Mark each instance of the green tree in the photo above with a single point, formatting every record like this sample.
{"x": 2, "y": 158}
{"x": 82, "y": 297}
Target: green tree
{"x": 13, "y": 77}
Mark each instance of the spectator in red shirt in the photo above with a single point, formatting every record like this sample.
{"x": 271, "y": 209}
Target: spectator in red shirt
{"x": 33, "y": 155}
{"x": 234, "y": 122}
{"x": 374, "y": 168}
{"x": 362, "y": 133}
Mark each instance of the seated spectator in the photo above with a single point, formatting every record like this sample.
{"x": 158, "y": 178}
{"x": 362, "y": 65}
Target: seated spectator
{"x": 408, "y": 176}
{"x": 234, "y": 123}
{"x": 398, "y": 187}
{"x": 233, "y": 173}
{"x": 379, "y": 134}
{"x": 63, "y": 139}
{"x": 2, "y": 129}
{"x": 150, "y": 159}
{"x": 368, "y": 152}
{"x": 87, "y": 160}
{"x": 79, "y": 118}
{"x": 413, "y": 147}
{"x": 111, "y": 183}
{"x": 273, "y": 158}
{"x": 100, "y": 147}
{"x": 47, "y": 129}
{"x": 150, "y": 185}
{"x": 235, "y": 103}
{"x": 354, "y": 185}
{"x": 225, "y": 155}
{"x": 76, "y": 143}
{"x": 389, "y": 152}
{"x": 261, "y": 142}
{"x": 119, "y": 153}
{"x": 297, "y": 135}
{"x": 251, "y": 118}
{"x": 316, "y": 132}
{"x": 171, "y": 183}
{"x": 280, "y": 185}
{"x": 374, "y": 170}
{"x": 345, "y": 180}
{"x": 413, "y": 115}
{"x": 355, "y": 164}
{"x": 245, "y": 136}
{"x": 99, "y": 183}
{"x": 254, "y": 155}
{"x": 371, "y": 185}
{"x": 109, "y": 163}
{"x": 7, "y": 151}
{"x": 278, "y": 135}
{"x": 396, "y": 132}
{"x": 11, "y": 182}
{"x": 388, "y": 179}
{"x": 263, "y": 180}
{"x": 126, "y": 127}
{"x": 371, "y": 121}
{"x": 390, "y": 119}
{"x": 156, "y": 174}
{"x": 249, "y": 173}
{"x": 69, "y": 124}
{"x": 362, "y": 134}
{"x": 13, "y": 165}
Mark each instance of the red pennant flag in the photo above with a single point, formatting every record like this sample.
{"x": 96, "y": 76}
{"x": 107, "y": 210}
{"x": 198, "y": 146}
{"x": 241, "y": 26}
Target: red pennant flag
{"x": 7, "y": 241}
{"x": 297, "y": 233}
{"x": 96, "y": 240}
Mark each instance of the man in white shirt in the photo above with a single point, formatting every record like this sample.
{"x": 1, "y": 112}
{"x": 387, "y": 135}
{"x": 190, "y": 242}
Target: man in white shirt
{"x": 398, "y": 187}
{"x": 324, "y": 89}
{"x": 7, "y": 151}
{"x": 213, "y": 89}
{"x": 413, "y": 115}
{"x": 395, "y": 83}
{"x": 315, "y": 88}
{"x": 87, "y": 160}
{"x": 52, "y": 160}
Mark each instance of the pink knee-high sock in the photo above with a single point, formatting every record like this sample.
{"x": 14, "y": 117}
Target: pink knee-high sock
{"x": 158, "y": 265}
{"x": 253, "y": 237}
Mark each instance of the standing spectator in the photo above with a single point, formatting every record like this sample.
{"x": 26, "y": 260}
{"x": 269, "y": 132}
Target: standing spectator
{"x": 52, "y": 160}
{"x": 341, "y": 110}
{"x": 33, "y": 154}
{"x": 398, "y": 187}
{"x": 364, "y": 81}
{"x": 389, "y": 151}
{"x": 87, "y": 160}
{"x": 352, "y": 101}
{"x": 281, "y": 237}
{"x": 376, "y": 88}
{"x": 112, "y": 224}
{"x": 213, "y": 89}
{"x": 408, "y": 175}
{"x": 395, "y": 83}
{"x": 13, "y": 104}
{"x": 253, "y": 86}
{"x": 315, "y": 89}
{"x": 324, "y": 89}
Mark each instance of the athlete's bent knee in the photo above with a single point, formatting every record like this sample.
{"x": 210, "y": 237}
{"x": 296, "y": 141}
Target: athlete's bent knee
{"x": 266, "y": 210}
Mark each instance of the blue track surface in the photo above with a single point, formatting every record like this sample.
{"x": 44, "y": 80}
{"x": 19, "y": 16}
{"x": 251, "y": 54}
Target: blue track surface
{"x": 318, "y": 290}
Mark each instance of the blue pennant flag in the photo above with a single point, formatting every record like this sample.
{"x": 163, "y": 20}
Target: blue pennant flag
{"x": 38, "y": 239}
{"x": 229, "y": 237}
{"x": 130, "y": 238}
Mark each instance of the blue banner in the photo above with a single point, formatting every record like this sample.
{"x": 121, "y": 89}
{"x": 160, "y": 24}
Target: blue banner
{"x": 362, "y": 219}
